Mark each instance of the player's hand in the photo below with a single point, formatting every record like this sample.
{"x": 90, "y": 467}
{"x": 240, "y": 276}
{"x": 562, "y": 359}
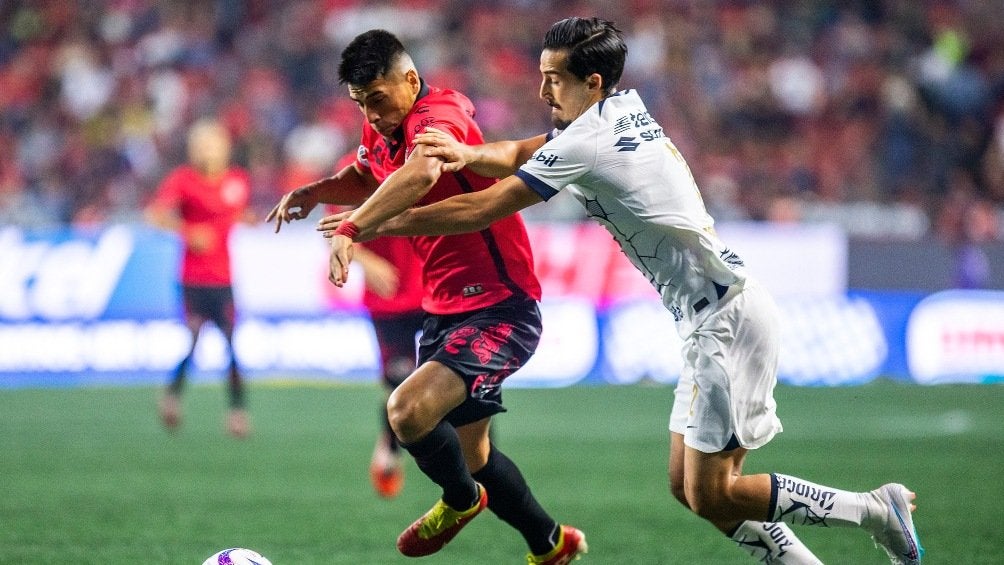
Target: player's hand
{"x": 338, "y": 262}
{"x": 199, "y": 238}
{"x": 328, "y": 224}
{"x": 295, "y": 205}
{"x": 440, "y": 144}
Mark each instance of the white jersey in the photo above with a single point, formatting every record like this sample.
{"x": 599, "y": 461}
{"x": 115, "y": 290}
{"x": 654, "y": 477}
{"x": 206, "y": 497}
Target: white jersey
{"x": 617, "y": 161}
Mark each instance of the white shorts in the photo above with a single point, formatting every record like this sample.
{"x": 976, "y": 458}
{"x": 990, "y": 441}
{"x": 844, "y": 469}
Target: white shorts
{"x": 726, "y": 388}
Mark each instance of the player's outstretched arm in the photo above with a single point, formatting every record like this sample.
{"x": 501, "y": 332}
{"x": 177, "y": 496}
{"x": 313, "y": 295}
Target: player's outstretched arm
{"x": 348, "y": 186}
{"x": 498, "y": 159}
{"x": 402, "y": 189}
{"x": 470, "y": 212}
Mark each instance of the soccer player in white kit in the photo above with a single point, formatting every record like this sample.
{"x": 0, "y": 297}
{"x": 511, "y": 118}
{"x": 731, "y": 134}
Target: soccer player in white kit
{"x": 613, "y": 157}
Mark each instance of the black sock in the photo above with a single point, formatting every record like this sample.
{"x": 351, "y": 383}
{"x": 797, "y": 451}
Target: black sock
{"x": 392, "y": 444}
{"x": 178, "y": 377}
{"x": 235, "y": 386}
{"x": 510, "y": 499}
{"x": 438, "y": 455}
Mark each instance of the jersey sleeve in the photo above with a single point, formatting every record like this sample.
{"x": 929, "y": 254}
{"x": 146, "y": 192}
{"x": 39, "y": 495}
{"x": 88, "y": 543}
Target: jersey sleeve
{"x": 362, "y": 156}
{"x": 452, "y": 114}
{"x": 169, "y": 194}
{"x": 563, "y": 160}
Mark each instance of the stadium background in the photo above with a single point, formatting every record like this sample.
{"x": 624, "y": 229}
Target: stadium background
{"x": 853, "y": 150}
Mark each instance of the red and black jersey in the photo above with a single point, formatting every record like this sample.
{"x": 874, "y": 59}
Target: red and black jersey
{"x": 461, "y": 272}
{"x": 210, "y": 205}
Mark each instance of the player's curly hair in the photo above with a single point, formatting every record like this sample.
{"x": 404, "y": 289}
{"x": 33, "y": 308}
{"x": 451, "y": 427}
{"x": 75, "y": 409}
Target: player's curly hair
{"x": 594, "y": 46}
{"x": 369, "y": 56}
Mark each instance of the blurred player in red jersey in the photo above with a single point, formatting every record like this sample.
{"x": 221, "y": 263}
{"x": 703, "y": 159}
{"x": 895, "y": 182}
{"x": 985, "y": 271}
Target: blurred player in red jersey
{"x": 393, "y": 298}
{"x": 202, "y": 201}
{"x": 481, "y": 294}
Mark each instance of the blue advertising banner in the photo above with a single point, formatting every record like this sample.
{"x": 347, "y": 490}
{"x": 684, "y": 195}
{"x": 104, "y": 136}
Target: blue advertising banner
{"x": 78, "y": 308}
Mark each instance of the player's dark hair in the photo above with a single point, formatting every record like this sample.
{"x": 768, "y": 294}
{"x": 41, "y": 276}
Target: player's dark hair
{"x": 369, "y": 56}
{"x": 594, "y": 46}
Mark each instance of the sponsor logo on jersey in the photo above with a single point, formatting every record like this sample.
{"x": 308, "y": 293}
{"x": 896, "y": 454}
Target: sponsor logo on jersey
{"x": 473, "y": 290}
{"x": 731, "y": 258}
{"x": 548, "y": 159}
{"x": 627, "y": 144}
{"x": 424, "y": 123}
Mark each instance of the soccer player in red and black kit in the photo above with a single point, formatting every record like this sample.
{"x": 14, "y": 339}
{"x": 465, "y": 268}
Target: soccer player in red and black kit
{"x": 481, "y": 294}
{"x": 202, "y": 201}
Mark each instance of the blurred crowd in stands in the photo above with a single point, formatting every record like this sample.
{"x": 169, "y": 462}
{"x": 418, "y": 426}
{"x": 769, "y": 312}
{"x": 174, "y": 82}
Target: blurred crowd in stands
{"x": 884, "y": 115}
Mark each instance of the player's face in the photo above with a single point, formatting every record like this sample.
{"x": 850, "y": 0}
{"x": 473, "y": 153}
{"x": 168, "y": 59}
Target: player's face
{"x": 209, "y": 148}
{"x": 567, "y": 95}
{"x": 387, "y": 100}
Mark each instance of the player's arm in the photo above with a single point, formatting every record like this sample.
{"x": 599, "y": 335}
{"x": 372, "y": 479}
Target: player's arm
{"x": 463, "y": 213}
{"x": 162, "y": 217}
{"x": 402, "y": 189}
{"x": 380, "y": 275}
{"x": 497, "y": 159}
{"x": 164, "y": 212}
{"x": 349, "y": 186}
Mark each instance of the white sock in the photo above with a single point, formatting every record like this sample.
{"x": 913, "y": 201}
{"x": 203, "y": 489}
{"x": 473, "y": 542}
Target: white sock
{"x": 801, "y": 503}
{"x": 773, "y": 543}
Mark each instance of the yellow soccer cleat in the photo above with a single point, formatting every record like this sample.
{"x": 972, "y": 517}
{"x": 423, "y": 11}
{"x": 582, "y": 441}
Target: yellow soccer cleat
{"x": 438, "y": 526}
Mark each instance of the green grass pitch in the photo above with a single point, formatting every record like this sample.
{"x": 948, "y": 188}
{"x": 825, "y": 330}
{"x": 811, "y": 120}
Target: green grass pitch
{"x": 89, "y": 476}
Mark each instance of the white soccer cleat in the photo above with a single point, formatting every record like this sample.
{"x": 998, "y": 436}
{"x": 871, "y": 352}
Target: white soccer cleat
{"x": 896, "y": 534}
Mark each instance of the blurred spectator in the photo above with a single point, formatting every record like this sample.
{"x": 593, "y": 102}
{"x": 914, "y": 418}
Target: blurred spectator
{"x": 794, "y": 105}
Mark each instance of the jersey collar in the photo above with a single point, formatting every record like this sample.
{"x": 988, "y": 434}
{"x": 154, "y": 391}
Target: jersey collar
{"x": 396, "y": 140}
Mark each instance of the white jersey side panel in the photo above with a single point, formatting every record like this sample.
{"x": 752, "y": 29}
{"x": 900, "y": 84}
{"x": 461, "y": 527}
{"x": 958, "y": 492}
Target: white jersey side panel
{"x": 616, "y": 160}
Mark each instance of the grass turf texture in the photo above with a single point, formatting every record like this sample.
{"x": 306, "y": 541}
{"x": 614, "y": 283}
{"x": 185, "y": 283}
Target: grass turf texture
{"x": 89, "y": 476}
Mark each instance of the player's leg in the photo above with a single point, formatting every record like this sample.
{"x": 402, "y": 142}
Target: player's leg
{"x": 506, "y": 337}
{"x": 885, "y": 512}
{"x": 732, "y": 360}
{"x": 766, "y": 542}
{"x": 509, "y": 496}
{"x": 702, "y": 408}
{"x": 416, "y": 410}
{"x": 396, "y": 340}
{"x": 194, "y": 317}
{"x": 224, "y": 315}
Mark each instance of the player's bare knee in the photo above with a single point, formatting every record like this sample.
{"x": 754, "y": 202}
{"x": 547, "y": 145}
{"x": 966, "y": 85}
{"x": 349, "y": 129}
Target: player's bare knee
{"x": 405, "y": 418}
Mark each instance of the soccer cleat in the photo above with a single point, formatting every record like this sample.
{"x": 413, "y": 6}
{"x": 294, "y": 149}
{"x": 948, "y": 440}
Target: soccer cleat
{"x": 438, "y": 526}
{"x": 895, "y": 533}
{"x": 571, "y": 545}
{"x": 170, "y": 411}
{"x": 387, "y": 481}
{"x": 386, "y": 472}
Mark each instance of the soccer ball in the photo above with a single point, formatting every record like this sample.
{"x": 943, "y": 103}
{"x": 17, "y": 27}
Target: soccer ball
{"x": 237, "y": 556}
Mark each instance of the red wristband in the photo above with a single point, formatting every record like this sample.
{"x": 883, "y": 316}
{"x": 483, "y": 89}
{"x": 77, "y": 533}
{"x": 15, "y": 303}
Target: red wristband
{"x": 348, "y": 229}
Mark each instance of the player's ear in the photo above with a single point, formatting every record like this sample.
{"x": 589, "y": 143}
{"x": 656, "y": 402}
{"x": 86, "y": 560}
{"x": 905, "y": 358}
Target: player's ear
{"x": 594, "y": 82}
{"x": 411, "y": 75}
